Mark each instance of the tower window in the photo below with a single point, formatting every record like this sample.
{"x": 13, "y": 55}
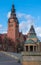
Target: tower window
{"x": 11, "y": 25}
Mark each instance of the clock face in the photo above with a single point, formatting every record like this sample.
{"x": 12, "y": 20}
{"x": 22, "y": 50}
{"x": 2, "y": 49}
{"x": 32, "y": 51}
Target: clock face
{"x": 11, "y": 20}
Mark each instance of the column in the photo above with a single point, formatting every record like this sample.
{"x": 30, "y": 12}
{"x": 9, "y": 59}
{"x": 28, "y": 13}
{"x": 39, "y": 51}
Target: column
{"x": 24, "y": 48}
{"x": 36, "y": 48}
{"x": 28, "y": 48}
{"x": 33, "y": 48}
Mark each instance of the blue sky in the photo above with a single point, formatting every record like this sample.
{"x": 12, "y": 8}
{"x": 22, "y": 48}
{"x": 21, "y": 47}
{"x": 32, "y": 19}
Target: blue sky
{"x": 28, "y": 12}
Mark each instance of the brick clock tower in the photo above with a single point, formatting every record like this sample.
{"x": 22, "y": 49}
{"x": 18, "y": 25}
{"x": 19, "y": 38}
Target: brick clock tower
{"x": 13, "y": 27}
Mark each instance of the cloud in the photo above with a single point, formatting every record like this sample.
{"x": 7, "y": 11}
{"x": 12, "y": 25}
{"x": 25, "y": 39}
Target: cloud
{"x": 1, "y": 25}
{"x": 38, "y": 31}
{"x": 25, "y": 23}
{"x": 23, "y": 27}
{"x": 20, "y": 15}
{"x": 2, "y": 29}
{"x": 4, "y": 32}
{"x": 8, "y": 14}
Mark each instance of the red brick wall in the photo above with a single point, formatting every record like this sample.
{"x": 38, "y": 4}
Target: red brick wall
{"x": 12, "y": 30}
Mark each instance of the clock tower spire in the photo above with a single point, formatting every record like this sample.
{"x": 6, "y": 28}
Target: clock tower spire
{"x": 13, "y": 13}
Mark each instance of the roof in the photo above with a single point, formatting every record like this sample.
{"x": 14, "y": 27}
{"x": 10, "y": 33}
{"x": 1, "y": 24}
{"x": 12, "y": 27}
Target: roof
{"x": 25, "y": 36}
{"x": 32, "y": 30}
{"x": 3, "y": 35}
{"x": 32, "y": 36}
{"x": 29, "y": 41}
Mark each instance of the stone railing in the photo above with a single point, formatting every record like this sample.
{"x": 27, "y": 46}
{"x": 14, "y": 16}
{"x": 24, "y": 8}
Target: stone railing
{"x": 31, "y": 53}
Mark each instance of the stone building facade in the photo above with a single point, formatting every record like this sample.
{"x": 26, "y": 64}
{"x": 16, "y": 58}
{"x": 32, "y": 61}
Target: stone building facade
{"x": 32, "y": 43}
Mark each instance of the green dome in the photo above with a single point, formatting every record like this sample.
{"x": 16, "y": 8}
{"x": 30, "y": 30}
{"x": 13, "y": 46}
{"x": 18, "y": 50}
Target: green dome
{"x": 29, "y": 41}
